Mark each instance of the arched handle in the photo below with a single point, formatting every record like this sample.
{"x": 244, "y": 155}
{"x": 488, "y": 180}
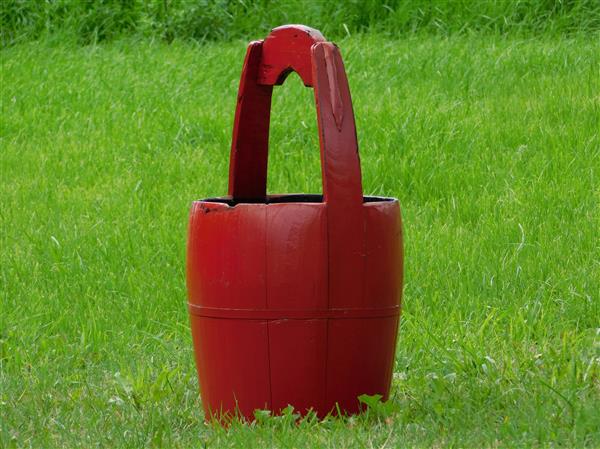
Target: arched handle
{"x": 319, "y": 64}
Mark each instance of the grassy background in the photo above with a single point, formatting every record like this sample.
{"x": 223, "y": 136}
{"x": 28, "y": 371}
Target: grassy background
{"x": 87, "y": 21}
{"x": 491, "y": 144}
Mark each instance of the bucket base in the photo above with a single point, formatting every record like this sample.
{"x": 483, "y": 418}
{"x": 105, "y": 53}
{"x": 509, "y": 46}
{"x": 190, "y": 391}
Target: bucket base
{"x": 320, "y": 364}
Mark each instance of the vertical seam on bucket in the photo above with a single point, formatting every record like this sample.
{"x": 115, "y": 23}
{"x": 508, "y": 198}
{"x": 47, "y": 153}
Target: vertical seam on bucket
{"x": 363, "y": 251}
{"x": 268, "y": 324}
{"x": 266, "y": 228}
{"x": 327, "y": 320}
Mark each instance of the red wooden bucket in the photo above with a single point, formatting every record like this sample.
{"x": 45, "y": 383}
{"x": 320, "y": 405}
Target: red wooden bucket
{"x": 294, "y": 299}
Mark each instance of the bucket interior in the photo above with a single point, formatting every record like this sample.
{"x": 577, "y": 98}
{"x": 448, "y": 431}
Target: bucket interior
{"x": 287, "y": 198}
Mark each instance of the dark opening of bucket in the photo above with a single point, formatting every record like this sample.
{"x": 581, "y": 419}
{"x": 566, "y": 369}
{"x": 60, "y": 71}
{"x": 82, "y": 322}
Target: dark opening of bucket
{"x": 289, "y": 198}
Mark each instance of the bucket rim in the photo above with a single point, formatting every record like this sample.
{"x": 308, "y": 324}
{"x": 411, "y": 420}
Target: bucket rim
{"x": 287, "y": 198}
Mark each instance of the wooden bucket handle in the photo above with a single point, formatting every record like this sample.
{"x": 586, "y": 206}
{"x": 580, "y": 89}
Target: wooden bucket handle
{"x": 319, "y": 64}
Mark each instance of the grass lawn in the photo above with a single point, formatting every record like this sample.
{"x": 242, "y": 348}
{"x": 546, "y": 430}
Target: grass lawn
{"x": 491, "y": 144}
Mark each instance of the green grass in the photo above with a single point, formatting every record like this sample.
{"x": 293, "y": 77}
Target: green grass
{"x": 101, "y": 20}
{"x": 491, "y": 144}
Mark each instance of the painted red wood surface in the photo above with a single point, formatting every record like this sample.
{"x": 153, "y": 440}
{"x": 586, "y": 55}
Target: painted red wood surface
{"x": 294, "y": 299}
